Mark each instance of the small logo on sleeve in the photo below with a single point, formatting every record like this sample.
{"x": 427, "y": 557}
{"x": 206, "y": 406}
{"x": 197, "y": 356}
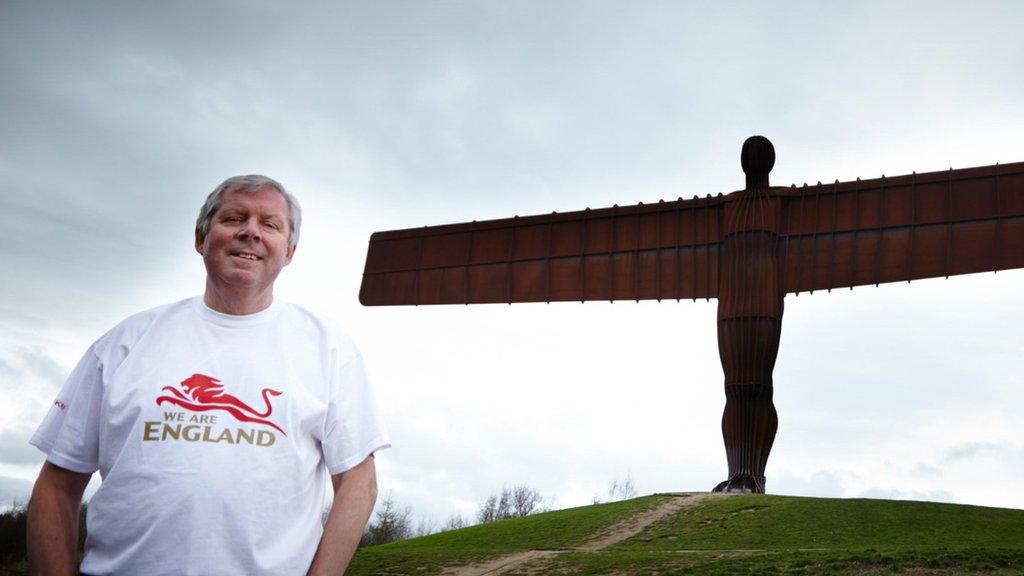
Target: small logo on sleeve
{"x": 200, "y": 394}
{"x": 60, "y": 405}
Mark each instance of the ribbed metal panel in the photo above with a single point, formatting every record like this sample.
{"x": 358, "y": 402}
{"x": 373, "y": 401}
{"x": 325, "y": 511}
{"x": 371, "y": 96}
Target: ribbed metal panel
{"x": 657, "y": 251}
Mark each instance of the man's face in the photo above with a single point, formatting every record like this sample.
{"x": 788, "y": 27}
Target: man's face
{"x": 247, "y": 244}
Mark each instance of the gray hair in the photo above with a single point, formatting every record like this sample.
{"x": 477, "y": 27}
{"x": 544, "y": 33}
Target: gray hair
{"x": 249, "y": 184}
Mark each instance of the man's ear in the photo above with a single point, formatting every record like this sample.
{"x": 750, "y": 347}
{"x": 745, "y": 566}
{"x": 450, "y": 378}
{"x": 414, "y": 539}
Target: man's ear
{"x": 199, "y": 241}
{"x": 289, "y": 253}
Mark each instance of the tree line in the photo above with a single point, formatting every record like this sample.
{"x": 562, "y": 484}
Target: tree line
{"x": 393, "y": 522}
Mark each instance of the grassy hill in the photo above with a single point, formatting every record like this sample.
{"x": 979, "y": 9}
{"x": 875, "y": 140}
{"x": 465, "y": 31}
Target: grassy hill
{"x": 697, "y": 534}
{"x": 741, "y": 534}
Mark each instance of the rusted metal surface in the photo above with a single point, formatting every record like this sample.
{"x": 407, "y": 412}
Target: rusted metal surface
{"x": 667, "y": 250}
{"x": 835, "y": 235}
{"x": 750, "y": 306}
{"x": 903, "y": 228}
{"x": 747, "y": 249}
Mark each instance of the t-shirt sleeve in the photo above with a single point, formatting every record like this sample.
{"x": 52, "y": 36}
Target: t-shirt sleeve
{"x": 69, "y": 434}
{"x": 352, "y": 428}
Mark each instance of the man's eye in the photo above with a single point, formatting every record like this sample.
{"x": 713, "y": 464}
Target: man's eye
{"x": 272, "y": 225}
{"x": 232, "y": 219}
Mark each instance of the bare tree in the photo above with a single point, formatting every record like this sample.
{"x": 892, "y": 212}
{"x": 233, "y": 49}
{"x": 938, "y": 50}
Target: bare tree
{"x": 514, "y": 502}
{"x": 524, "y": 500}
{"x": 454, "y": 522}
{"x": 504, "y": 505}
{"x": 488, "y": 511}
{"x": 389, "y": 525}
{"x": 424, "y": 527}
{"x": 623, "y": 489}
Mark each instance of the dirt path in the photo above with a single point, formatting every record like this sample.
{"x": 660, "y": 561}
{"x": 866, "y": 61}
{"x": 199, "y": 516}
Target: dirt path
{"x": 609, "y": 537}
{"x": 499, "y": 565}
{"x": 623, "y": 530}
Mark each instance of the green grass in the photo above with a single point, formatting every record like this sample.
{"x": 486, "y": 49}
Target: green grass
{"x": 749, "y": 534}
{"x": 786, "y": 523}
{"x": 548, "y": 530}
{"x": 839, "y": 563}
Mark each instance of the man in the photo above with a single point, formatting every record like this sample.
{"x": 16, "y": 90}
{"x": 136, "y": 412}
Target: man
{"x": 213, "y": 422}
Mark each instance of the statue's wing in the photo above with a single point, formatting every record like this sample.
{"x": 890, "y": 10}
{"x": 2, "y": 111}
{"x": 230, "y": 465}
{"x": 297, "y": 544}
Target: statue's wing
{"x": 899, "y": 228}
{"x": 667, "y": 250}
{"x": 831, "y": 236}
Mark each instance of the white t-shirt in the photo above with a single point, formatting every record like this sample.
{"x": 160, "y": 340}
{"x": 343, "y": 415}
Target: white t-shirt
{"x": 213, "y": 435}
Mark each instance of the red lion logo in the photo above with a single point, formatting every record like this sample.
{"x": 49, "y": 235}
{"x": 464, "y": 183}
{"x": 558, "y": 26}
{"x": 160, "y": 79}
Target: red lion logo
{"x": 207, "y": 393}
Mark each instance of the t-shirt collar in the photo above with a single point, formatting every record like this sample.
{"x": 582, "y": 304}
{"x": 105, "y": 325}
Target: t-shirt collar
{"x": 235, "y": 320}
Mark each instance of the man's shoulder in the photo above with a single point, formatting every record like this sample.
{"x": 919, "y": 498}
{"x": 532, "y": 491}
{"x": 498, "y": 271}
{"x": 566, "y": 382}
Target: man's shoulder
{"x": 134, "y": 326}
{"x": 151, "y": 315}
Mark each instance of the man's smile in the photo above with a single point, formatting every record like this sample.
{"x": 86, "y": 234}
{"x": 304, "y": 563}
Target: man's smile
{"x": 246, "y": 256}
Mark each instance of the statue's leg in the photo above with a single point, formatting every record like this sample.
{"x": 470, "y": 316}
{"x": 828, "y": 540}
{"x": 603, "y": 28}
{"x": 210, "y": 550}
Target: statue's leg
{"x": 748, "y": 348}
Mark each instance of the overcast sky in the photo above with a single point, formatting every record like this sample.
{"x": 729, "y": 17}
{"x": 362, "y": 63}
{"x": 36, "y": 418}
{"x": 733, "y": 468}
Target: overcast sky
{"x": 117, "y": 119}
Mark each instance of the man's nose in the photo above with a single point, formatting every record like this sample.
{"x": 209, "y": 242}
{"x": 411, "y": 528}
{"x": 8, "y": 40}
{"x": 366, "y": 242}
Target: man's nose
{"x": 250, "y": 230}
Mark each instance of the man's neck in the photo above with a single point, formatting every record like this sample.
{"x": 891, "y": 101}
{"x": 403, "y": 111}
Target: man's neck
{"x": 237, "y": 302}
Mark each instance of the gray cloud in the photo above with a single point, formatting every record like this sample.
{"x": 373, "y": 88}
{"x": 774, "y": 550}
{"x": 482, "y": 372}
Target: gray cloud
{"x": 15, "y": 449}
{"x": 41, "y": 366}
{"x": 14, "y": 491}
{"x": 30, "y": 379}
{"x": 926, "y": 471}
{"x": 972, "y": 450}
{"x": 31, "y": 370}
{"x": 896, "y": 494}
{"x": 823, "y": 483}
